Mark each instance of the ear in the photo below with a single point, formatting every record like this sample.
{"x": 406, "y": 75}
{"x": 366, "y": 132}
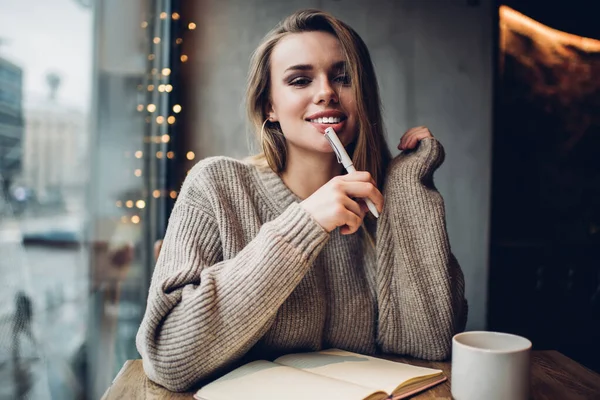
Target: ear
{"x": 271, "y": 114}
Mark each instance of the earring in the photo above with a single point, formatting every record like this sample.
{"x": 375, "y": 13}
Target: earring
{"x": 262, "y": 128}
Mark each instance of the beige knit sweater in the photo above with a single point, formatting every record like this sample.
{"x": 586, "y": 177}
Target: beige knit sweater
{"x": 245, "y": 272}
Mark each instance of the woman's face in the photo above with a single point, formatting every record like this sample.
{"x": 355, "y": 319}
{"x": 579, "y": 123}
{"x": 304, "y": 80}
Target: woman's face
{"x": 311, "y": 91}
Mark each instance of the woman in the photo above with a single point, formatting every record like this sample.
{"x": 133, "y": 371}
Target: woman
{"x": 253, "y": 264}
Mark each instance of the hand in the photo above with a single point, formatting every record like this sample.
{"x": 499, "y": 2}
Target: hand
{"x": 413, "y": 136}
{"x": 334, "y": 204}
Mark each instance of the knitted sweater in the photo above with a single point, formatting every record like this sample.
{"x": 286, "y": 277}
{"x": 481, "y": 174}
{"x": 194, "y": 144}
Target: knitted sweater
{"x": 245, "y": 272}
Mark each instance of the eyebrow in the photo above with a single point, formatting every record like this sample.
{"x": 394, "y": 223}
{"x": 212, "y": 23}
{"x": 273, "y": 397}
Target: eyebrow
{"x": 307, "y": 67}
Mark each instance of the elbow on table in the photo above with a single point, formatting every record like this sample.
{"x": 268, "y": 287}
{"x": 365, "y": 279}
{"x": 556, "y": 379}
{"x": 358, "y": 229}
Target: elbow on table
{"x": 177, "y": 376}
{"x": 175, "y": 372}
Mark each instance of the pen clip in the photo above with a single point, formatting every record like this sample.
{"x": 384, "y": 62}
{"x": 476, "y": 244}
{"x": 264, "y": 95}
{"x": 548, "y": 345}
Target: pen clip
{"x": 335, "y": 149}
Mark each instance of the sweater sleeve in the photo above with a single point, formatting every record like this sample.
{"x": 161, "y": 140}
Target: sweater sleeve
{"x": 204, "y": 313}
{"x": 420, "y": 284}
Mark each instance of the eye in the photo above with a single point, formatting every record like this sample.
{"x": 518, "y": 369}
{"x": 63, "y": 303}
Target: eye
{"x": 343, "y": 79}
{"x": 299, "y": 81}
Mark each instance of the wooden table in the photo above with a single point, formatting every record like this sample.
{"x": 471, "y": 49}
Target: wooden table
{"x": 553, "y": 377}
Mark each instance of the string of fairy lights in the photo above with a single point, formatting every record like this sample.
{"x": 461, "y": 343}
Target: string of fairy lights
{"x": 160, "y": 115}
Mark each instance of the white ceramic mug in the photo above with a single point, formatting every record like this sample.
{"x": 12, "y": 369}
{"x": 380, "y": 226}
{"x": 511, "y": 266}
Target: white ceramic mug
{"x": 490, "y": 366}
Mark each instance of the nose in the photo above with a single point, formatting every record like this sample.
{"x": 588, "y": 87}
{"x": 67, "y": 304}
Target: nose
{"x": 326, "y": 93}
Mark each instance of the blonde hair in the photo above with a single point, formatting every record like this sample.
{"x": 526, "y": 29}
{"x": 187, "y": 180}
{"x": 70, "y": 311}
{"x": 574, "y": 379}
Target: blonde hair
{"x": 369, "y": 151}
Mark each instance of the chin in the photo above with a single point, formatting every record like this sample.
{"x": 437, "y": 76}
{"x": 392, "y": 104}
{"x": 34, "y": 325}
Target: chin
{"x": 325, "y": 148}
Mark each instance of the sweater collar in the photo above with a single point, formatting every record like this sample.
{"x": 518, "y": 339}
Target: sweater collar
{"x": 274, "y": 189}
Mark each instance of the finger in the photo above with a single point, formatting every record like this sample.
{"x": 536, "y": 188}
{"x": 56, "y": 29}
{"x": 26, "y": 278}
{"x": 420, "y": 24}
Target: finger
{"x": 358, "y": 176}
{"x": 416, "y": 136}
{"x": 353, "y": 206}
{"x": 425, "y": 133}
{"x": 418, "y": 128}
{"x": 364, "y": 190}
{"x": 422, "y": 134}
{"x": 413, "y": 142}
{"x": 406, "y": 140}
{"x": 353, "y": 223}
{"x": 408, "y": 135}
{"x": 401, "y": 144}
{"x": 413, "y": 129}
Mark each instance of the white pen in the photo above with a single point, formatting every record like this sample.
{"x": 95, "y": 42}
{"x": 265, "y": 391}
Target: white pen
{"x": 344, "y": 159}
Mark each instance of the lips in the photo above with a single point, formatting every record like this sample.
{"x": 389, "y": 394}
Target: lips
{"x": 336, "y": 127}
{"x": 320, "y": 120}
{"x": 327, "y": 114}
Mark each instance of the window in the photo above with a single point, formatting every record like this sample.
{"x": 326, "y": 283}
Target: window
{"x": 79, "y": 178}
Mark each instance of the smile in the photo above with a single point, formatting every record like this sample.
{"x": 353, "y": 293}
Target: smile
{"x": 330, "y": 120}
{"x": 324, "y": 119}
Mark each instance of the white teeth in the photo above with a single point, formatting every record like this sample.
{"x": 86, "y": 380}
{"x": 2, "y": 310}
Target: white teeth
{"x": 326, "y": 120}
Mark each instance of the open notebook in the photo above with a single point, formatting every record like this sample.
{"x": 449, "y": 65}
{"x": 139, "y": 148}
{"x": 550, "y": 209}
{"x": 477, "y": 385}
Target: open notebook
{"x": 327, "y": 374}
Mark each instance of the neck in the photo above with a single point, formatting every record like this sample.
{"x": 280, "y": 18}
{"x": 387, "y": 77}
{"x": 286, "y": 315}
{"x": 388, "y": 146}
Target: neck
{"x": 306, "y": 172}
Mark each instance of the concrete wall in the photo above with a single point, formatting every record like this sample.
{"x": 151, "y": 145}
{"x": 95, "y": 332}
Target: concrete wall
{"x": 434, "y": 64}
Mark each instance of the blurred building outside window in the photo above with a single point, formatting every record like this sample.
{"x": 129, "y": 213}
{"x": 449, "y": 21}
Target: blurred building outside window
{"x": 87, "y": 100}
